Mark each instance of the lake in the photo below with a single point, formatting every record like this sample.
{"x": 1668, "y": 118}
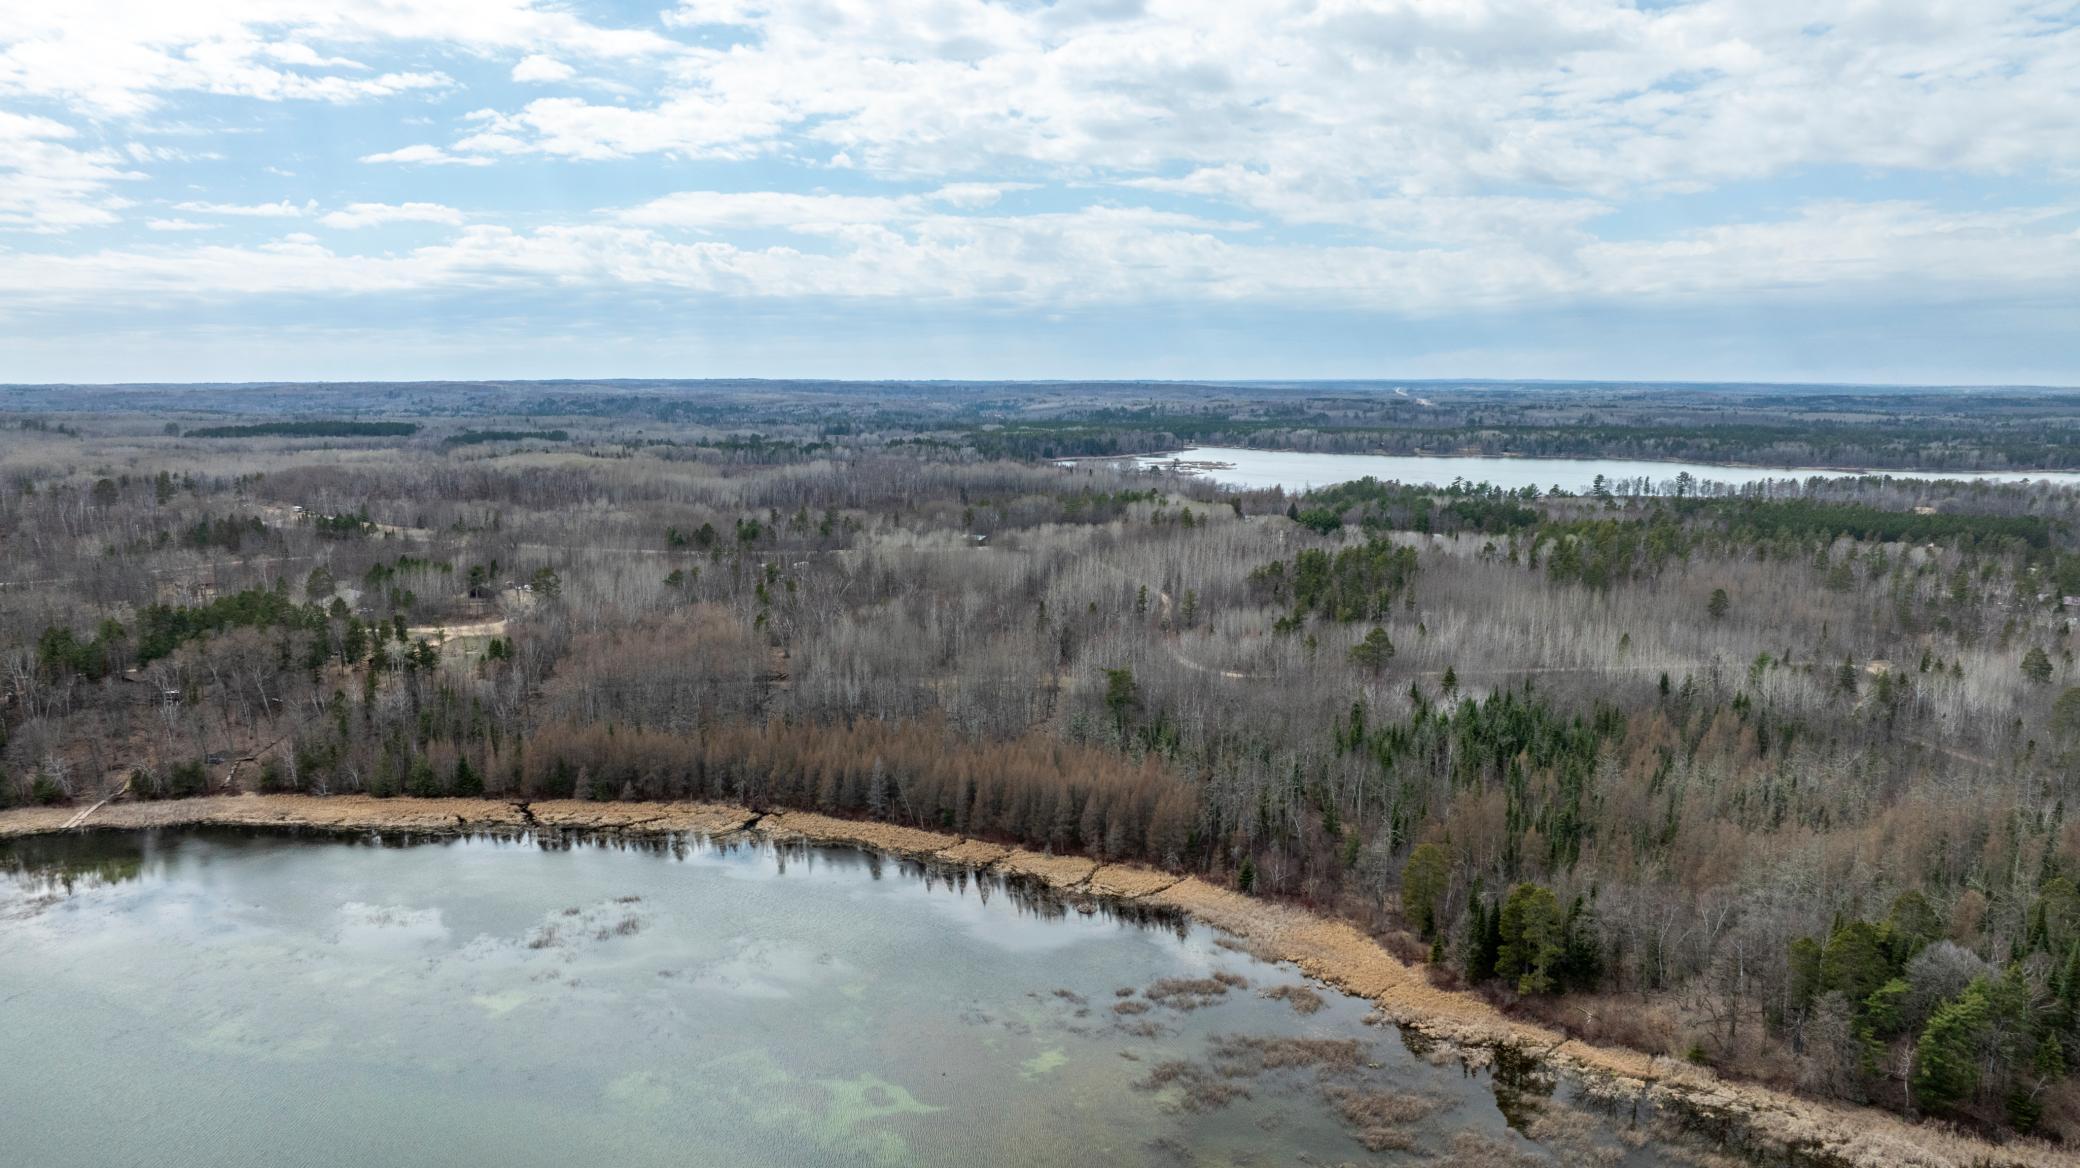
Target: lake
{"x": 1299, "y": 470}
{"x": 214, "y": 997}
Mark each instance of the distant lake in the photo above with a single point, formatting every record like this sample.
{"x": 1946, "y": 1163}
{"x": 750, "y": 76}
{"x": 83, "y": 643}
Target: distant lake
{"x": 1299, "y": 470}
{"x": 244, "y": 1000}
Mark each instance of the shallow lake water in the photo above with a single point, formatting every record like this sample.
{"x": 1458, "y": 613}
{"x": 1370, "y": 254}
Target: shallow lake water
{"x": 229, "y": 998}
{"x": 1299, "y": 470}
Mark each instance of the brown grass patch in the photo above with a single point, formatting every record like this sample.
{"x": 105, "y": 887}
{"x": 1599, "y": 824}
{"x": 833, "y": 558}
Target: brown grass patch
{"x": 1241, "y": 1056}
{"x": 1128, "y": 881}
{"x": 1303, "y": 999}
{"x": 974, "y": 853}
{"x": 1053, "y": 871}
{"x": 888, "y": 837}
{"x": 1186, "y": 993}
{"x": 1474, "y": 1150}
{"x": 1381, "y": 1119}
{"x": 1199, "y": 1089}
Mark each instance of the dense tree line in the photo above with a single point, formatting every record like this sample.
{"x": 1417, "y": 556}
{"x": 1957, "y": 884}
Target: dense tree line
{"x": 319, "y": 429}
{"x": 481, "y": 437}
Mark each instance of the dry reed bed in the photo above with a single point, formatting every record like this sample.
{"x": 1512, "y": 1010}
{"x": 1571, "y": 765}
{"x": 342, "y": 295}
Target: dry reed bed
{"x": 1328, "y": 950}
{"x": 361, "y": 813}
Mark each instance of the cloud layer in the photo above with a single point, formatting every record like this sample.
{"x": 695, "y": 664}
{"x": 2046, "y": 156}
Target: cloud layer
{"x": 1447, "y": 161}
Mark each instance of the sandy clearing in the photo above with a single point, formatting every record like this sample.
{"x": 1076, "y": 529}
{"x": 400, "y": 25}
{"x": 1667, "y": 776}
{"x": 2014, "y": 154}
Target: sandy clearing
{"x": 483, "y": 628}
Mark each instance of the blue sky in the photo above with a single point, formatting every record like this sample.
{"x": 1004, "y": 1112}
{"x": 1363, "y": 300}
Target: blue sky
{"x": 1860, "y": 190}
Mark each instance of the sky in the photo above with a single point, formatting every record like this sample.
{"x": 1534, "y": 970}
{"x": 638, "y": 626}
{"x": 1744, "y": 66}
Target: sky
{"x": 1833, "y": 190}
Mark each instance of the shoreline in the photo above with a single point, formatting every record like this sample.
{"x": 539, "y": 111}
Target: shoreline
{"x": 1327, "y": 949}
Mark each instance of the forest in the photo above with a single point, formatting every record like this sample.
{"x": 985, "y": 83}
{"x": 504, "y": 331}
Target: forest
{"x": 1827, "y": 426}
{"x": 1771, "y": 778}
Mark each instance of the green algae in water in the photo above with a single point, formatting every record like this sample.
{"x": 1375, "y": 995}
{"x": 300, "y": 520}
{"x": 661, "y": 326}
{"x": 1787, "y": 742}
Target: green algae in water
{"x": 228, "y": 998}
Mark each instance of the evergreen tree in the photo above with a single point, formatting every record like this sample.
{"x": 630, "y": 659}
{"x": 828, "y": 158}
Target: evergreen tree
{"x": 1483, "y": 941}
{"x": 1424, "y": 880}
{"x": 1946, "y": 1064}
{"x": 1911, "y": 924}
{"x": 1533, "y": 934}
{"x": 1581, "y": 962}
{"x": 1855, "y": 961}
{"x": 1804, "y": 962}
{"x": 466, "y": 784}
{"x": 1121, "y": 697}
{"x": 420, "y": 782}
{"x": 1374, "y": 651}
{"x": 2036, "y": 665}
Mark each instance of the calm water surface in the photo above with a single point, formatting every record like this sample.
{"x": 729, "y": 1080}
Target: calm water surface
{"x": 221, "y": 998}
{"x": 1297, "y": 471}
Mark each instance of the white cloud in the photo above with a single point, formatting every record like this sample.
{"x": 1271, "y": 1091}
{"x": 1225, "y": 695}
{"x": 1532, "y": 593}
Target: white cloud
{"x": 1355, "y": 98}
{"x": 124, "y": 57}
{"x": 718, "y": 210}
{"x": 144, "y": 152}
{"x": 695, "y": 13}
{"x": 425, "y": 155}
{"x": 691, "y": 126}
{"x": 538, "y": 68}
{"x": 281, "y": 209}
{"x": 1398, "y": 217}
{"x": 48, "y": 186}
{"x": 1407, "y": 156}
{"x": 895, "y": 250}
{"x": 975, "y": 195}
{"x": 357, "y": 215}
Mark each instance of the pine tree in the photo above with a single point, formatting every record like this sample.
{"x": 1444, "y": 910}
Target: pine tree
{"x": 2036, "y": 665}
{"x": 1581, "y": 962}
{"x": 1533, "y": 934}
{"x": 1855, "y": 961}
{"x": 420, "y": 782}
{"x": 466, "y": 783}
{"x": 1424, "y": 880}
{"x": 1121, "y": 697}
{"x": 1483, "y": 940}
{"x": 1946, "y": 1064}
{"x": 1374, "y": 651}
